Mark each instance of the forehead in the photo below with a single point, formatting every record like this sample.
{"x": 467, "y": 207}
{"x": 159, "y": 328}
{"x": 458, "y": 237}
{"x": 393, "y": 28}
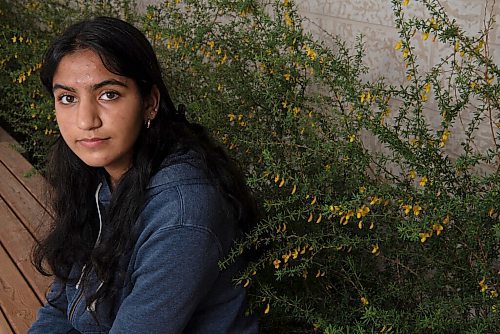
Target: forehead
{"x": 84, "y": 67}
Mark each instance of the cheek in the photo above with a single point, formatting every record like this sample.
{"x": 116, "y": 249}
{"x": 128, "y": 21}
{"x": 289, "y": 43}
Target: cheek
{"x": 63, "y": 124}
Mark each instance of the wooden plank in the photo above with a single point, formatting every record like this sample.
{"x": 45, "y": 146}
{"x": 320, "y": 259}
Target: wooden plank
{"x": 5, "y": 137}
{"x": 4, "y": 325}
{"x": 17, "y": 300}
{"x": 34, "y": 217}
{"x": 23, "y": 171}
{"x": 18, "y": 242}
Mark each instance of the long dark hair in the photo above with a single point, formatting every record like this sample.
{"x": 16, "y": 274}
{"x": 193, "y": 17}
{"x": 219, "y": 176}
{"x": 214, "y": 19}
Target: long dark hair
{"x": 125, "y": 51}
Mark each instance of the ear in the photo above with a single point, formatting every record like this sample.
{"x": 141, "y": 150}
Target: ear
{"x": 151, "y": 104}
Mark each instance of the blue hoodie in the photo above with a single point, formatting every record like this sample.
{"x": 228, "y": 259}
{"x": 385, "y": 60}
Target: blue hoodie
{"x": 174, "y": 284}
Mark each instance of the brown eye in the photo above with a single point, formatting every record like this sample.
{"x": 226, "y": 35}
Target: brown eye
{"x": 66, "y": 99}
{"x": 109, "y": 96}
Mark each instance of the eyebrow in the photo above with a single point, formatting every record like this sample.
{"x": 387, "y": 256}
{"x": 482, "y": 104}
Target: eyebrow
{"x": 110, "y": 82}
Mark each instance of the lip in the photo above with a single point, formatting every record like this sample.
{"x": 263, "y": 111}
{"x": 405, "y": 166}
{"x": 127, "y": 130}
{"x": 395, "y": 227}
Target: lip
{"x": 92, "y": 142}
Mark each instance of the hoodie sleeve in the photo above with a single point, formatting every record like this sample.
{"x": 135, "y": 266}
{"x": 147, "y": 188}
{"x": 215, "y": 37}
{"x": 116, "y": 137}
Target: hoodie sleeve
{"x": 175, "y": 268}
{"x": 51, "y": 317}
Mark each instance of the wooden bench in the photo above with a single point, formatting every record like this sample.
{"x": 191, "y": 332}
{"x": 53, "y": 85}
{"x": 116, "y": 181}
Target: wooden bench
{"x": 23, "y": 218}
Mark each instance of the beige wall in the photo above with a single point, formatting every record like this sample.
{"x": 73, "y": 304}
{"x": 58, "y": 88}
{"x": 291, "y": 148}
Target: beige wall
{"x": 374, "y": 19}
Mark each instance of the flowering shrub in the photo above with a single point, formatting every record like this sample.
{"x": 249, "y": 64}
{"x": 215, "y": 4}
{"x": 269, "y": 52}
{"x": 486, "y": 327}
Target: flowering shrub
{"x": 402, "y": 237}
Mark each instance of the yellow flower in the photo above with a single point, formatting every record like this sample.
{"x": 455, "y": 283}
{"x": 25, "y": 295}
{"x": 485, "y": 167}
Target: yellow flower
{"x": 295, "y": 253}
{"x": 483, "y": 285}
{"x": 232, "y": 117}
{"x": 375, "y": 200}
{"x": 446, "y": 220}
{"x": 416, "y": 209}
{"x": 433, "y": 23}
{"x": 424, "y": 236}
{"x": 362, "y": 190}
{"x": 479, "y": 46}
{"x": 407, "y": 208}
{"x": 319, "y": 219}
{"x": 276, "y": 263}
{"x": 285, "y": 257}
{"x": 406, "y": 2}
{"x": 412, "y": 174}
{"x": 375, "y": 249}
{"x": 276, "y": 178}
{"x": 427, "y": 87}
{"x": 287, "y": 76}
{"x": 364, "y": 301}
{"x": 224, "y": 59}
{"x": 310, "y": 218}
{"x": 425, "y": 35}
{"x": 282, "y": 183}
{"x": 247, "y": 283}
{"x": 21, "y": 78}
{"x": 211, "y": 44}
{"x": 362, "y": 97}
{"x": 288, "y": 19}
{"x": 294, "y": 189}
{"x": 14, "y": 39}
{"x": 438, "y": 228}
{"x": 268, "y": 307}
{"x": 334, "y": 209}
{"x": 345, "y": 218}
{"x": 296, "y": 110}
{"x": 369, "y": 97}
{"x": 444, "y": 137}
{"x": 313, "y": 200}
{"x": 360, "y": 224}
{"x": 311, "y": 53}
{"x": 406, "y": 52}
{"x": 423, "y": 181}
{"x": 363, "y": 211}
{"x": 398, "y": 46}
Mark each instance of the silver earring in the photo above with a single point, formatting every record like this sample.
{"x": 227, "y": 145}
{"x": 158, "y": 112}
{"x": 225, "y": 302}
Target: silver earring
{"x": 148, "y": 124}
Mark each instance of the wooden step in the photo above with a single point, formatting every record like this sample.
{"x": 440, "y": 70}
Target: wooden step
{"x": 24, "y": 218}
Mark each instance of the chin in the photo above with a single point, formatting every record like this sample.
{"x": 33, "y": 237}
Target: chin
{"x": 93, "y": 162}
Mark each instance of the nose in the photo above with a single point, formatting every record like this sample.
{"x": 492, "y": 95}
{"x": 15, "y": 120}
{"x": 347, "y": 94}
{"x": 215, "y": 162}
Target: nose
{"x": 87, "y": 115}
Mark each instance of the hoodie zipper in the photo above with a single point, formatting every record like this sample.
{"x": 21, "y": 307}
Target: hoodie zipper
{"x": 80, "y": 284}
{"x": 79, "y": 287}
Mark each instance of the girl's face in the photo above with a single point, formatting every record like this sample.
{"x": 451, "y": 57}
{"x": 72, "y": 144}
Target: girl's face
{"x": 100, "y": 114}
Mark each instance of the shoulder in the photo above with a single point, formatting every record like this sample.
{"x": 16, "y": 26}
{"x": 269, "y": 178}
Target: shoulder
{"x": 182, "y": 195}
{"x": 184, "y": 167}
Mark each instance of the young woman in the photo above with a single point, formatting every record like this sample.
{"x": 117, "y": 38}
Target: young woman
{"x": 145, "y": 203}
